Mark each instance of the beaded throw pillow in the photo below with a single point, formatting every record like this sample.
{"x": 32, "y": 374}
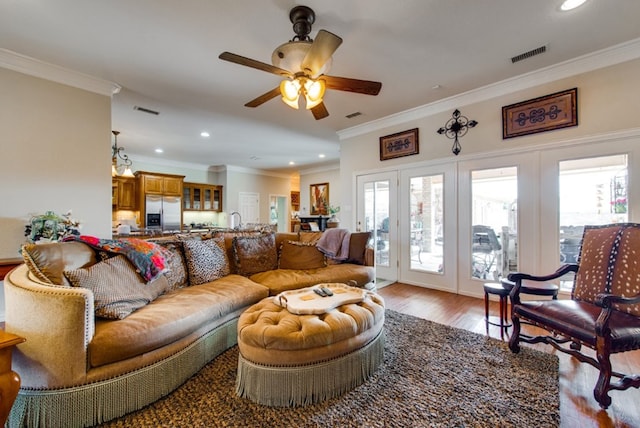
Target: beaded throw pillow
{"x": 254, "y": 254}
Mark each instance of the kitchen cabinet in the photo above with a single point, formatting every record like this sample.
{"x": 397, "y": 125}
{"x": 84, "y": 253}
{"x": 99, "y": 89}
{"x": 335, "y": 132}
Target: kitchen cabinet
{"x": 201, "y": 197}
{"x": 123, "y": 194}
{"x": 158, "y": 196}
{"x": 160, "y": 184}
{"x": 295, "y": 201}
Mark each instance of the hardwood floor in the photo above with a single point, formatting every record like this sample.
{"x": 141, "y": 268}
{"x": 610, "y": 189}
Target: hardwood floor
{"x": 578, "y": 408}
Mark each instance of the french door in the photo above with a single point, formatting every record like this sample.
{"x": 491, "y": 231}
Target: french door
{"x": 376, "y": 212}
{"x": 497, "y": 219}
{"x": 428, "y": 226}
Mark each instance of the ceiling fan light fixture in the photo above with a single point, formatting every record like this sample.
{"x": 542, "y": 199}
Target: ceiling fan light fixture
{"x": 290, "y": 90}
{"x": 290, "y": 56}
{"x": 313, "y": 92}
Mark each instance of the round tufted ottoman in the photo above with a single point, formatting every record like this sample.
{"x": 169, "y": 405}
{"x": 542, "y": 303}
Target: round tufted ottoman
{"x": 293, "y": 360}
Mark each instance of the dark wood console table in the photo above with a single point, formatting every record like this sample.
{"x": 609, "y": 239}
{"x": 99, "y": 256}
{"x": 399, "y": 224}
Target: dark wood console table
{"x": 9, "y": 380}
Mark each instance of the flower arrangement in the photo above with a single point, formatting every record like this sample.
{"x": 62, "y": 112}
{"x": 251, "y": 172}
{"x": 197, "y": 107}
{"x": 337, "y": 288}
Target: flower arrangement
{"x": 619, "y": 205}
{"x": 51, "y": 227}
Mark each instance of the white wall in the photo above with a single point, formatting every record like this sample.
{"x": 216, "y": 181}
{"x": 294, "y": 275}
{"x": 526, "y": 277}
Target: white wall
{"x": 56, "y": 156}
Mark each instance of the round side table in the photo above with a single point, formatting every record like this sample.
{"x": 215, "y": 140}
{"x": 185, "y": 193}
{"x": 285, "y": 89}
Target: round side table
{"x": 503, "y": 295}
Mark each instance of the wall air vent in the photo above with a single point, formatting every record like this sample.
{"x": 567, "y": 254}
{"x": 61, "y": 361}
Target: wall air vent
{"x": 352, "y": 115}
{"x": 146, "y": 110}
{"x": 534, "y": 52}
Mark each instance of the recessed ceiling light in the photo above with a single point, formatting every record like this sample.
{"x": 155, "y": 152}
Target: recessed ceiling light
{"x": 159, "y": 150}
{"x": 321, "y": 155}
{"x": 205, "y": 134}
{"x": 571, "y": 4}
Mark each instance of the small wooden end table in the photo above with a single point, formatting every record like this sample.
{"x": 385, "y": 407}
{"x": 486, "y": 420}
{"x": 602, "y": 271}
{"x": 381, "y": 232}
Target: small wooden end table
{"x": 9, "y": 380}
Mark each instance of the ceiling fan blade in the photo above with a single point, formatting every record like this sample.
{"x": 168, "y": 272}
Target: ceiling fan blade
{"x": 248, "y": 62}
{"x": 367, "y": 87}
{"x": 320, "y": 111}
{"x": 264, "y": 98}
{"x": 324, "y": 45}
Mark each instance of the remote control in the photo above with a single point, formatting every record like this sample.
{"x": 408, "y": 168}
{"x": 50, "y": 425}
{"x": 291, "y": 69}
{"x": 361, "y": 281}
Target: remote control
{"x": 327, "y": 291}
{"x": 319, "y": 292}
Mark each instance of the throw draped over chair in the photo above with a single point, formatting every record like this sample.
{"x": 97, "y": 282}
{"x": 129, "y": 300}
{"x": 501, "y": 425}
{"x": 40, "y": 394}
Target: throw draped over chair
{"x": 604, "y": 310}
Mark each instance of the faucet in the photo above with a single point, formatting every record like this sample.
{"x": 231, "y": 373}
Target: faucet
{"x": 239, "y": 219}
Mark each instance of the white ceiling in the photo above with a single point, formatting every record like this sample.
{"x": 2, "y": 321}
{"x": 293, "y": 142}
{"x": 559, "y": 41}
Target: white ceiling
{"x": 164, "y": 55}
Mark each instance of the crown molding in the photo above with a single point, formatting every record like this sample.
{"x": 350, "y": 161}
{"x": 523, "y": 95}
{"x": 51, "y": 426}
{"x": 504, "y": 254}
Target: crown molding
{"x": 593, "y": 61}
{"x": 333, "y": 166}
{"x": 34, "y": 67}
{"x": 254, "y": 171}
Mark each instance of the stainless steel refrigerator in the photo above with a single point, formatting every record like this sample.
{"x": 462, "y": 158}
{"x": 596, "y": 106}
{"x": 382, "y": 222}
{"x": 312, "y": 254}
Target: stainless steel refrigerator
{"x": 163, "y": 212}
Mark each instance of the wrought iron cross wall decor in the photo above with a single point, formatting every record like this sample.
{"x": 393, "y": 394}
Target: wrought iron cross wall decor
{"x": 456, "y": 127}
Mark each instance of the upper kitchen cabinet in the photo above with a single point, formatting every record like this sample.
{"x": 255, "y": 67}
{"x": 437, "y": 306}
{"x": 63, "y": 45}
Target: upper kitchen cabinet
{"x": 124, "y": 195}
{"x": 202, "y": 197}
{"x": 153, "y": 183}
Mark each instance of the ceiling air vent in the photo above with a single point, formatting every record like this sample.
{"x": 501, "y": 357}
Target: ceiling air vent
{"x": 534, "y": 52}
{"x": 352, "y": 115}
{"x": 146, "y": 110}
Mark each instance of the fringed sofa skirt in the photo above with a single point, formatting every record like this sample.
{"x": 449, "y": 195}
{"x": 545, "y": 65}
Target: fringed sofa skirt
{"x": 295, "y": 360}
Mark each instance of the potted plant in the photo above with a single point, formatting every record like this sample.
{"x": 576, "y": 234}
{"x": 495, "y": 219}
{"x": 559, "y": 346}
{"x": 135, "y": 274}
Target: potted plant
{"x": 51, "y": 227}
{"x": 333, "y": 210}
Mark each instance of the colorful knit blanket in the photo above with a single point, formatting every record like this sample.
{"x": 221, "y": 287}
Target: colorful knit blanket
{"x": 148, "y": 258}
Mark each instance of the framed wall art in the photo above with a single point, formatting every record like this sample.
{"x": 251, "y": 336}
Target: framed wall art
{"x": 554, "y": 111}
{"x": 400, "y": 144}
{"x": 319, "y": 198}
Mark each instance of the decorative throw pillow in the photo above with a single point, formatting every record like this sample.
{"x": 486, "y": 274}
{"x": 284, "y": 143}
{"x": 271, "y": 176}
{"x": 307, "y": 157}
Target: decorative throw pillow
{"x": 310, "y": 236}
{"x": 206, "y": 260}
{"x": 47, "y": 262}
{"x": 255, "y": 254}
{"x": 118, "y": 289}
{"x": 176, "y": 272}
{"x": 357, "y": 246}
{"x": 300, "y": 255}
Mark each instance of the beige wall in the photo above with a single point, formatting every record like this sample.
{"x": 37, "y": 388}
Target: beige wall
{"x": 330, "y": 175}
{"x": 607, "y": 102}
{"x": 265, "y": 184}
{"x": 56, "y": 150}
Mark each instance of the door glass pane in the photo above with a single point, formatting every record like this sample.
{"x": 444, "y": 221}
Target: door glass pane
{"x": 426, "y": 223}
{"x": 206, "y": 199}
{"x": 196, "y": 199}
{"x": 376, "y": 218}
{"x": 592, "y": 191}
{"x": 494, "y": 222}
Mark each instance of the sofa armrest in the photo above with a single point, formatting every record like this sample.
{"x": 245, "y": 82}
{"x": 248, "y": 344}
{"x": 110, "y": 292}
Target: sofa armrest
{"x": 369, "y": 256}
{"x": 57, "y": 322}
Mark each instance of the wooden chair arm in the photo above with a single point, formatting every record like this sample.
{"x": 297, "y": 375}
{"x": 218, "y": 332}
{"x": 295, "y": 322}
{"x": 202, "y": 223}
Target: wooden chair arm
{"x": 606, "y": 300}
{"x": 518, "y": 277}
{"x": 563, "y": 270}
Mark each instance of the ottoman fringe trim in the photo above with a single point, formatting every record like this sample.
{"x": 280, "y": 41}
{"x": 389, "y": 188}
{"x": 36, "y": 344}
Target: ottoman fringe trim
{"x": 308, "y": 384}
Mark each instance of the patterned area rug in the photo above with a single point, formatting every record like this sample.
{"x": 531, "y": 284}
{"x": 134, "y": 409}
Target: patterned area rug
{"x": 432, "y": 376}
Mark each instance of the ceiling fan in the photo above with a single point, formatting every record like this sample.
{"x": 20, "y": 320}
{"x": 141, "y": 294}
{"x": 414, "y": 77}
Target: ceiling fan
{"x": 304, "y": 62}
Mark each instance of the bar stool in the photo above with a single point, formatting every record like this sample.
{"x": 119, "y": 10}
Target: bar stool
{"x": 503, "y": 295}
